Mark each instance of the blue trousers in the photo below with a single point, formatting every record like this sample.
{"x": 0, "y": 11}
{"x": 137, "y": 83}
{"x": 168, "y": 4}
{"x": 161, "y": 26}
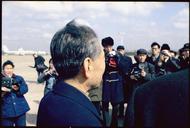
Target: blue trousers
{"x": 14, "y": 121}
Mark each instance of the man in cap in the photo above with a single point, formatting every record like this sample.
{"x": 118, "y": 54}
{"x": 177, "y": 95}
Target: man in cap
{"x": 126, "y": 64}
{"x": 142, "y": 71}
{"x": 184, "y": 56}
{"x": 112, "y": 82}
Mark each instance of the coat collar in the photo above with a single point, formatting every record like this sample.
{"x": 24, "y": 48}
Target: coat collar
{"x": 66, "y": 90}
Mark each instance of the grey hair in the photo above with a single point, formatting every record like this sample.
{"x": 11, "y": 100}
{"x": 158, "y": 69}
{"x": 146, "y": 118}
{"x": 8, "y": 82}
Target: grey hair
{"x": 70, "y": 46}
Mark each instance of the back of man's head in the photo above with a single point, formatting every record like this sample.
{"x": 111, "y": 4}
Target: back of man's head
{"x": 70, "y": 46}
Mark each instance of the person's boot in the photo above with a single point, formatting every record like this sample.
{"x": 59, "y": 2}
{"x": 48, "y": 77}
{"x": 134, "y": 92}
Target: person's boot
{"x": 121, "y": 110}
{"x": 114, "y": 120}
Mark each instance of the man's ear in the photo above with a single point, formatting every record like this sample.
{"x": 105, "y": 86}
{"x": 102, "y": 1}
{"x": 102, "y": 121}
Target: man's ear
{"x": 87, "y": 65}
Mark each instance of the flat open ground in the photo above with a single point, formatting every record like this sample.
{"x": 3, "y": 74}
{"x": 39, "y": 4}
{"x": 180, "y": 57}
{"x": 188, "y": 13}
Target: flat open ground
{"x": 35, "y": 92}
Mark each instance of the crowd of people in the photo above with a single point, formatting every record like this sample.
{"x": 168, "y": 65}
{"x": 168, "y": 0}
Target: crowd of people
{"x": 85, "y": 76}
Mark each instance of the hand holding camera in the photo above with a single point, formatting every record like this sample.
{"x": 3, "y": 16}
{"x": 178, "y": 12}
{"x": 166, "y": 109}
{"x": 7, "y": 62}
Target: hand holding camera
{"x": 139, "y": 72}
{"x": 9, "y": 84}
{"x": 15, "y": 87}
{"x": 5, "y": 89}
{"x": 143, "y": 73}
{"x": 112, "y": 53}
{"x": 165, "y": 55}
{"x": 133, "y": 77}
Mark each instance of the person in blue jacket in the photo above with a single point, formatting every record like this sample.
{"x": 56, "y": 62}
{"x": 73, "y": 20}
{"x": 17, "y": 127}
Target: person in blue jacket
{"x": 13, "y": 105}
{"x": 79, "y": 60}
{"x": 126, "y": 65}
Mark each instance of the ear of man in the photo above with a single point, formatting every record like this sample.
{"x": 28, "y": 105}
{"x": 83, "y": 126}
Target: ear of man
{"x": 88, "y": 67}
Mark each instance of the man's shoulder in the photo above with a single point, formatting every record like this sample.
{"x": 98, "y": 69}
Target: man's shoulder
{"x": 18, "y": 77}
{"x": 64, "y": 110}
{"x": 61, "y": 103}
{"x": 66, "y": 96}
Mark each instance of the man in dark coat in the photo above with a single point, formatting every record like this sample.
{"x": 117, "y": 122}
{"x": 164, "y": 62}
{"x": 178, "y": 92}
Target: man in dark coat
{"x": 126, "y": 65}
{"x": 39, "y": 64}
{"x": 141, "y": 72}
{"x": 161, "y": 103}
{"x": 112, "y": 82}
{"x": 79, "y": 60}
{"x": 153, "y": 59}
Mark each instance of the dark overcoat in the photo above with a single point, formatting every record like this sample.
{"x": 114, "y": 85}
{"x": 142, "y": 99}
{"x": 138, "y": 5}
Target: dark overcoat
{"x": 161, "y": 103}
{"x": 113, "y": 81}
{"x": 67, "y": 106}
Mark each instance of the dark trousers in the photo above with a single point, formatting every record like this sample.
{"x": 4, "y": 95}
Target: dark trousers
{"x": 14, "y": 121}
{"x": 115, "y": 110}
{"x": 39, "y": 73}
{"x": 121, "y": 109}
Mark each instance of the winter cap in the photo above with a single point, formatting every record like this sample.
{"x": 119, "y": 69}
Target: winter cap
{"x": 165, "y": 47}
{"x": 107, "y": 41}
{"x": 141, "y": 51}
{"x": 120, "y": 47}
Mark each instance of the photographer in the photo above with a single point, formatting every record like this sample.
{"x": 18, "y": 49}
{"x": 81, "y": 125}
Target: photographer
{"x": 142, "y": 71}
{"x": 112, "y": 82}
{"x": 166, "y": 64}
{"x": 49, "y": 76}
{"x": 14, "y": 105}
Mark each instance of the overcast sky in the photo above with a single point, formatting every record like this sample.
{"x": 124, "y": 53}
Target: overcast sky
{"x": 31, "y": 25}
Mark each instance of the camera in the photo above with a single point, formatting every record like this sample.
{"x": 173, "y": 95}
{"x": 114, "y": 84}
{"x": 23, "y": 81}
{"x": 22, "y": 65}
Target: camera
{"x": 112, "y": 54}
{"x": 137, "y": 74}
{"x": 8, "y": 82}
{"x": 137, "y": 71}
{"x": 112, "y": 61}
{"x": 141, "y": 66}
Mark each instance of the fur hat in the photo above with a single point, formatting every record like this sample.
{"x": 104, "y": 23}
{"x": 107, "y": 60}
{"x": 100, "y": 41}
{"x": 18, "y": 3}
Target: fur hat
{"x": 107, "y": 41}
